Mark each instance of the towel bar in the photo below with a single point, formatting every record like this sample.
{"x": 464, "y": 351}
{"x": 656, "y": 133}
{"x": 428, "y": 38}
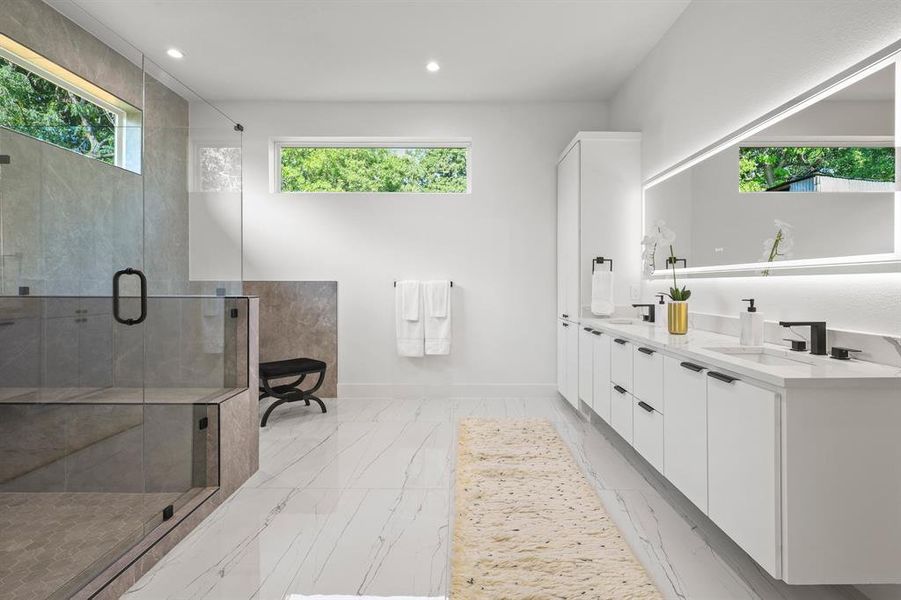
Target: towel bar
{"x": 601, "y": 260}
{"x": 451, "y": 284}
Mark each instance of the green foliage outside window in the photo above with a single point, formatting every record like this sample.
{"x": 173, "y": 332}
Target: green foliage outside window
{"x": 763, "y": 168}
{"x": 37, "y": 107}
{"x": 373, "y": 169}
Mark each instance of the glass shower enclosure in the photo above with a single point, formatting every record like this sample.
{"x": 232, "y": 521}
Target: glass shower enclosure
{"x": 121, "y": 328}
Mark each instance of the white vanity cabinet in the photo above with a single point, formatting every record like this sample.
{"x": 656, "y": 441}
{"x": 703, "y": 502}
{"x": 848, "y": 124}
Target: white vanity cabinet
{"x": 621, "y": 362}
{"x": 647, "y": 376}
{"x": 568, "y": 361}
{"x": 621, "y": 411}
{"x": 569, "y": 189}
{"x": 586, "y": 365}
{"x": 647, "y": 411}
{"x": 685, "y": 428}
{"x": 601, "y": 375}
{"x": 801, "y": 470}
{"x": 647, "y": 433}
{"x": 743, "y": 466}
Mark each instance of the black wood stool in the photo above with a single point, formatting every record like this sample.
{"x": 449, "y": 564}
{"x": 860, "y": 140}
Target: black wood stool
{"x": 289, "y": 392}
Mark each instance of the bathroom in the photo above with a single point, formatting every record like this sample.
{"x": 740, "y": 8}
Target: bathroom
{"x": 159, "y": 266}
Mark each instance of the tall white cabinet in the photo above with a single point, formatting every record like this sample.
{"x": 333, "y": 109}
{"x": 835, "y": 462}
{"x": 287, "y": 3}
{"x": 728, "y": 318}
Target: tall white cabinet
{"x": 598, "y": 214}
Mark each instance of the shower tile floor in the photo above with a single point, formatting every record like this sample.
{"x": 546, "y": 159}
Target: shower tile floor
{"x": 47, "y": 539}
{"x": 357, "y": 501}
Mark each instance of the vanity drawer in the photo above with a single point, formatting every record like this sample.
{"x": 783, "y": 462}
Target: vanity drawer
{"x": 647, "y": 433}
{"x": 647, "y": 381}
{"x": 621, "y": 403}
{"x": 621, "y": 362}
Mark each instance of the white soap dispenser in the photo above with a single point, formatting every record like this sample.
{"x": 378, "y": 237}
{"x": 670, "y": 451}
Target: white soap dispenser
{"x": 751, "y": 325}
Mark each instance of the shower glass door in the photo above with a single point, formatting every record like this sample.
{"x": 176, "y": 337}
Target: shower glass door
{"x": 120, "y": 255}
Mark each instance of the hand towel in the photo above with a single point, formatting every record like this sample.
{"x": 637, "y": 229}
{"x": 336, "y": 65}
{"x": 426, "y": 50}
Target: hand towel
{"x": 602, "y": 293}
{"x": 437, "y": 316}
{"x": 408, "y": 318}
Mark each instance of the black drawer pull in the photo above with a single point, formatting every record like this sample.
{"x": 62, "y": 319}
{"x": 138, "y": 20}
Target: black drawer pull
{"x": 619, "y": 341}
{"x": 721, "y": 377}
{"x": 595, "y": 332}
{"x": 565, "y": 324}
{"x": 647, "y": 351}
{"x": 619, "y": 389}
{"x": 565, "y": 316}
{"x": 588, "y": 329}
{"x": 646, "y": 406}
{"x": 692, "y": 367}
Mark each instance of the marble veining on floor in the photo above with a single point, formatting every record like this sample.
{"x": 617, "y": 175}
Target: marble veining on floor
{"x": 357, "y": 502}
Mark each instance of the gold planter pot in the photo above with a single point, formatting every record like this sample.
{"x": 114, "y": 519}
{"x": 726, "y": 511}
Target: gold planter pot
{"x": 677, "y": 317}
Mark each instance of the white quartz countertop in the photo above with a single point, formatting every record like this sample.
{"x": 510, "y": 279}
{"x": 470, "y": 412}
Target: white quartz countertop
{"x": 699, "y": 346}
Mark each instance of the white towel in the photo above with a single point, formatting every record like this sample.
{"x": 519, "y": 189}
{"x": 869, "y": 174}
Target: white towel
{"x": 437, "y": 317}
{"x": 602, "y": 293}
{"x": 408, "y": 318}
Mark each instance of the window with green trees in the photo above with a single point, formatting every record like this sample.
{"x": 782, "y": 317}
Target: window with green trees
{"x": 35, "y": 106}
{"x": 436, "y": 169}
{"x": 773, "y": 168}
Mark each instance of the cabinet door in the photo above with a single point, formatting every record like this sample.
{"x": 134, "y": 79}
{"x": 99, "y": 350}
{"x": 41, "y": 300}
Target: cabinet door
{"x": 742, "y": 467}
{"x": 621, "y": 411}
{"x": 685, "y": 429}
{"x": 586, "y": 366}
{"x": 647, "y": 433}
{"x": 601, "y": 375}
{"x": 621, "y": 363}
{"x": 568, "y": 192}
{"x": 561, "y": 356}
{"x": 572, "y": 365}
{"x": 647, "y": 376}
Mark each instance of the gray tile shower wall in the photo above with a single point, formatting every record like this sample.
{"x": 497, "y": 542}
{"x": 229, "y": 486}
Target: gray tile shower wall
{"x": 41, "y": 28}
{"x": 299, "y": 319}
{"x": 71, "y": 221}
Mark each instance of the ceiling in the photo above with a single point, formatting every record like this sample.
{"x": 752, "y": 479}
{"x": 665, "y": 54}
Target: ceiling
{"x": 376, "y": 50}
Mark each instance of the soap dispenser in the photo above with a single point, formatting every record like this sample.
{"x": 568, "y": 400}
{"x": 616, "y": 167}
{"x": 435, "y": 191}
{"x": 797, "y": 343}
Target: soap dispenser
{"x": 751, "y": 325}
{"x": 661, "y": 311}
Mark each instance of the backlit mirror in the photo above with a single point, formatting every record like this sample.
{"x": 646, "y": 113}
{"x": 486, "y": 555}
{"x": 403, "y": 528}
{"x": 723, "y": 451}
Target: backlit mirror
{"x": 813, "y": 186}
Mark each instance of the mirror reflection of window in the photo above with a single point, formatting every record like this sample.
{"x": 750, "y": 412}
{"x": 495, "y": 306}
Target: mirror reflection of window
{"x": 816, "y": 169}
{"x": 836, "y": 158}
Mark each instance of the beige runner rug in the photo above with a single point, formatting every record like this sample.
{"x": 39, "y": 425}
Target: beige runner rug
{"x": 529, "y": 525}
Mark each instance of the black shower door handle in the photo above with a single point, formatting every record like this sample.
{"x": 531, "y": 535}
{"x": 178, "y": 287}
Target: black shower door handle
{"x": 143, "y": 279}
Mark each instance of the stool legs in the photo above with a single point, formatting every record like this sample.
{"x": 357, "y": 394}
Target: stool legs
{"x": 289, "y": 393}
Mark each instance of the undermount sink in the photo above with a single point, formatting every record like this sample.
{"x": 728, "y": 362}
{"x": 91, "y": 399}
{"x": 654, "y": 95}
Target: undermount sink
{"x": 621, "y": 321}
{"x": 763, "y": 356}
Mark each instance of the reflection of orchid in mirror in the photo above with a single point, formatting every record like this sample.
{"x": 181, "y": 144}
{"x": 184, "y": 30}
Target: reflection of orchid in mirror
{"x": 780, "y": 246}
{"x": 661, "y": 235}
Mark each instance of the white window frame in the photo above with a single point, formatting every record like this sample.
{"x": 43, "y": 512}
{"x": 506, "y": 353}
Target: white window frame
{"x": 276, "y": 145}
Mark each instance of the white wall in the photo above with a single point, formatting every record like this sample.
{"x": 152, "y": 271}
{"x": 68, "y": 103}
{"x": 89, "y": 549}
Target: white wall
{"x": 497, "y": 244}
{"x": 724, "y": 64}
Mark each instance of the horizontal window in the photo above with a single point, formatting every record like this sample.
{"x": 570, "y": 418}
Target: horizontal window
{"x": 373, "y": 167}
{"x": 43, "y": 100}
{"x": 817, "y": 169}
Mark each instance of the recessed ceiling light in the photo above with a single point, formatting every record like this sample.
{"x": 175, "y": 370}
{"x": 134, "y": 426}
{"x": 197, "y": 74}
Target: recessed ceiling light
{"x": 433, "y": 67}
{"x": 175, "y": 53}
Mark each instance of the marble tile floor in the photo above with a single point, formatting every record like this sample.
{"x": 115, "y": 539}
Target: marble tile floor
{"x": 357, "y": 502}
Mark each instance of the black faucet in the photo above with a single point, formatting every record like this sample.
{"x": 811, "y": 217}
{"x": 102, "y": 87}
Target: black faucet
{"x": 817, "y": 334}
{"x": 650, "y": 317}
